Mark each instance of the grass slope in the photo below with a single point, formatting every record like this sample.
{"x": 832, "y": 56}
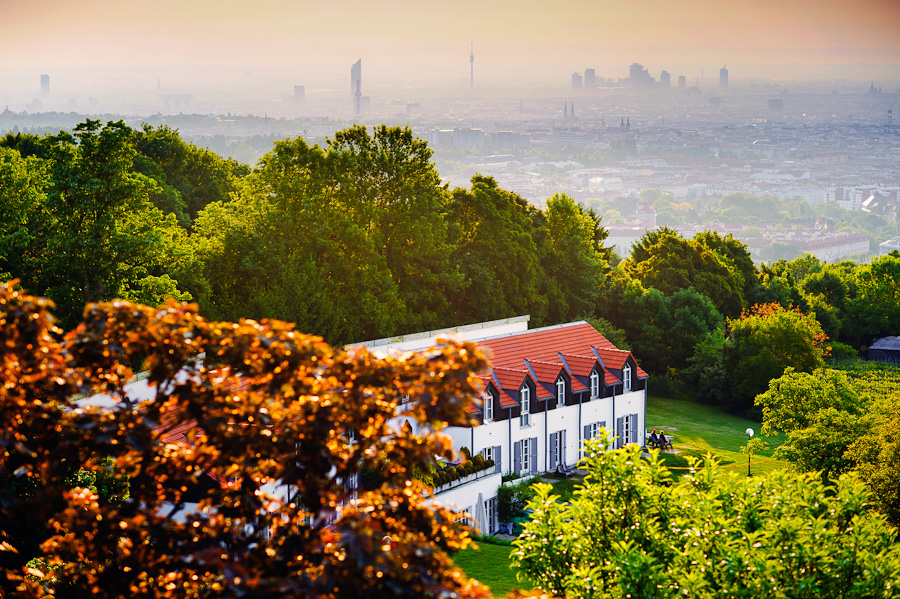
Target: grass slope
{"x": 699, "y": 428}
{"x": 489, "y": 565}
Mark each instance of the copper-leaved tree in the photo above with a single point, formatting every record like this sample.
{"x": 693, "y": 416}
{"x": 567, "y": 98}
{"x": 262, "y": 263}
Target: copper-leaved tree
{"x": 276, "y": 425}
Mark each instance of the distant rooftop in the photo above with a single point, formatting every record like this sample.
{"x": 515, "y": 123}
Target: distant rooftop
{"x": 480, "y": 330}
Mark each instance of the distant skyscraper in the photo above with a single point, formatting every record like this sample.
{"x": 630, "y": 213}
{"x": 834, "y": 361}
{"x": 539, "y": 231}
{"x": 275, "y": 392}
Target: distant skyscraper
{"x": 471, "y": 66}
{"x": 356, "y": 77}
{"x": 45, "y": 86}
{"x": 665, "y": 79}
{"x": 638, "y": 76}
{"x": 682, "y": 82}
{"x": 356, "y": 85}
{"x": 723, "y": 76}
{"x": 590, "y": 79}
{"x": 576, "y": 80}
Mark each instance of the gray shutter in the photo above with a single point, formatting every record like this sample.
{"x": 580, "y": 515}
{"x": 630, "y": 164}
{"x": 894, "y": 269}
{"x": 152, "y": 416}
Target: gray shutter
{"x": 603, "y": 425}
{"x": 634, "y": 428}
{"x": 534, "y": 446}
{"x": 587, "y": 432}
{"x": 620, "y": 428}
{"x": 498, "y": 463}
{"x": 562, "y": 445}
{"x": 553, "y": 451}
{"x": 517, "y": 457}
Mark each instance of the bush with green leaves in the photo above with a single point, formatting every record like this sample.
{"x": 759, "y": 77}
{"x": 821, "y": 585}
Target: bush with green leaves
{"x": 635, "y": 530}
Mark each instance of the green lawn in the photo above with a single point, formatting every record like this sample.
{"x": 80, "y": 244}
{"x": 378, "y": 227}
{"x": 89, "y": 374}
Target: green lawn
{"x": 699, "y": 428}
{"x": 489, "y": 564}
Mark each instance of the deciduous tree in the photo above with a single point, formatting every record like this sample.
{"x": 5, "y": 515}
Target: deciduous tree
{"x": 267, "y": 408}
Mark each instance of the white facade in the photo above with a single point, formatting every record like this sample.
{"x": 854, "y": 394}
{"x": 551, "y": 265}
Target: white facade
{"x": 538, "y": 415}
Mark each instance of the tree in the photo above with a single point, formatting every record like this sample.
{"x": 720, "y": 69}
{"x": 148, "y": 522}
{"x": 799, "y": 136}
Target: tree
{"x": 83, "y": 226}
{"x": 269, "y": 409}
{"x": 633, "y": 530}
{"x": 662, "y": 330}
{"x": 348, "y": 241}
{"x": 498, "y": 251}
{"x": 575, "y": 260}
{"x": 765, "y": 341}
{"x": 189, "y": 178}
{"x": 23, "y": 185}
{"x": 875, "y": 310}
{"x": 664, "y": 260}
{"x": 820, "y": 414}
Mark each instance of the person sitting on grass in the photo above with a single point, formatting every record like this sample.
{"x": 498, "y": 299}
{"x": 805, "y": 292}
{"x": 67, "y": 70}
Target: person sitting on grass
{"x": 654, "y": 440}
{"x": 663, "y": 442}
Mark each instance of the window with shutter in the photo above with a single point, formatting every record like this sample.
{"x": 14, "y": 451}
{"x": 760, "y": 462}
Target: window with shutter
{"x": 498, "y": 462}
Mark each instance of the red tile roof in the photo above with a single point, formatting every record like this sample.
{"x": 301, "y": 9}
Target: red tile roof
{"x": 508, "y": 351}
{"x": 546, "y": 372}
{"x": 615, "y": 359}
{"x": 544, "y": 350}
{"x": 509, "y": 381}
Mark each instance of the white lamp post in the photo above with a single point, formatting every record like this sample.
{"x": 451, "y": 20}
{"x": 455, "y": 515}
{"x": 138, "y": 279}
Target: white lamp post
{"x": 749, "y": 432}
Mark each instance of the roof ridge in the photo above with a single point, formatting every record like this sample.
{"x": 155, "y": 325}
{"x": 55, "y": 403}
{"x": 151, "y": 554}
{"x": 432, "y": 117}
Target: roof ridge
{"x": 552, "y": 327}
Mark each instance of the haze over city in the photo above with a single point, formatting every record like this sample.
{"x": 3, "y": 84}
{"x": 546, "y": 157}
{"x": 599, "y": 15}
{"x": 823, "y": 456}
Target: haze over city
{"x": 101, "y": 47}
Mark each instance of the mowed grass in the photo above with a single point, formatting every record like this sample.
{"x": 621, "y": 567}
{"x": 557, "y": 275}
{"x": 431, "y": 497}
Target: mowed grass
{"x": 699, "y": 428}
{"x": 489, "y": 565}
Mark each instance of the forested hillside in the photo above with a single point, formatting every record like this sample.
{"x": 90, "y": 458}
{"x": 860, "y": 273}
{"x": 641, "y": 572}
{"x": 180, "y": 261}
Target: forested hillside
{"x": 359, "y": 239}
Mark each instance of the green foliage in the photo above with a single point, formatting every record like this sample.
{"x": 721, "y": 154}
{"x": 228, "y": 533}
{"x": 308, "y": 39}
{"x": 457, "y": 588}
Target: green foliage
{"x": 512, "y": 499}
{"x": 77, "y": 224}
{"x": 759, "y": 346}
{"x": 189, "y": 177}
{"x": 661, "y": 329}
{"x": 663, "y": 260}
{"x": 574, "y": 260}
{"x": 632, "y": 531}
{"x": 874, "y": 311}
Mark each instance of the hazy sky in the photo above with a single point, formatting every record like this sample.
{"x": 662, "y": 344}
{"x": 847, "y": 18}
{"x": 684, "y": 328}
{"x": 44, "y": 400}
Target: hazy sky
{"x": 429, "y": 39}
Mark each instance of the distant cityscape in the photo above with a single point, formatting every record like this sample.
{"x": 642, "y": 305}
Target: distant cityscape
{"x": 600, "y": 140}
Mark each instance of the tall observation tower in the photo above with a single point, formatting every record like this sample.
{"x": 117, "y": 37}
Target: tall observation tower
{"x": 472, "y": 66}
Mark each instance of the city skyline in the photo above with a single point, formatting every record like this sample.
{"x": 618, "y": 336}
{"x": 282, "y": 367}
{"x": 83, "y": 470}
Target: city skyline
{"x": 433, "y": 42}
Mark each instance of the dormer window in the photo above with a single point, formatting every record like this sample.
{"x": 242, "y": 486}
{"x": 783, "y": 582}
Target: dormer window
{"x": 560, "y": 392}
{"x": 595, "y": 385}
{"x": 488, "y": 411}
{"x": 525, "y": 399}
{"x": 626, "y": 377}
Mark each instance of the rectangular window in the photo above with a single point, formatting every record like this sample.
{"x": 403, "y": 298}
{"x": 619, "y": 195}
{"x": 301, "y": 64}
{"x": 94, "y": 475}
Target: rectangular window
{"x": 627, "y": 428}
{"x": 490, "y": 513}
{"x": 526, "y": 455}
{"x": 560, "y": 393}
{"x": 626, "y": 377}
{"x": 595, "y": 385}
{"x": 488, "y": 454}
{"x": 525, "y": 416}
{"x": 488, "y": 407}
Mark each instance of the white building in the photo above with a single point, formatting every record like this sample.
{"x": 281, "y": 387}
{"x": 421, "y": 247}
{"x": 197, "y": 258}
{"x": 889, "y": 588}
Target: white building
{"x": 546, "y": 392}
